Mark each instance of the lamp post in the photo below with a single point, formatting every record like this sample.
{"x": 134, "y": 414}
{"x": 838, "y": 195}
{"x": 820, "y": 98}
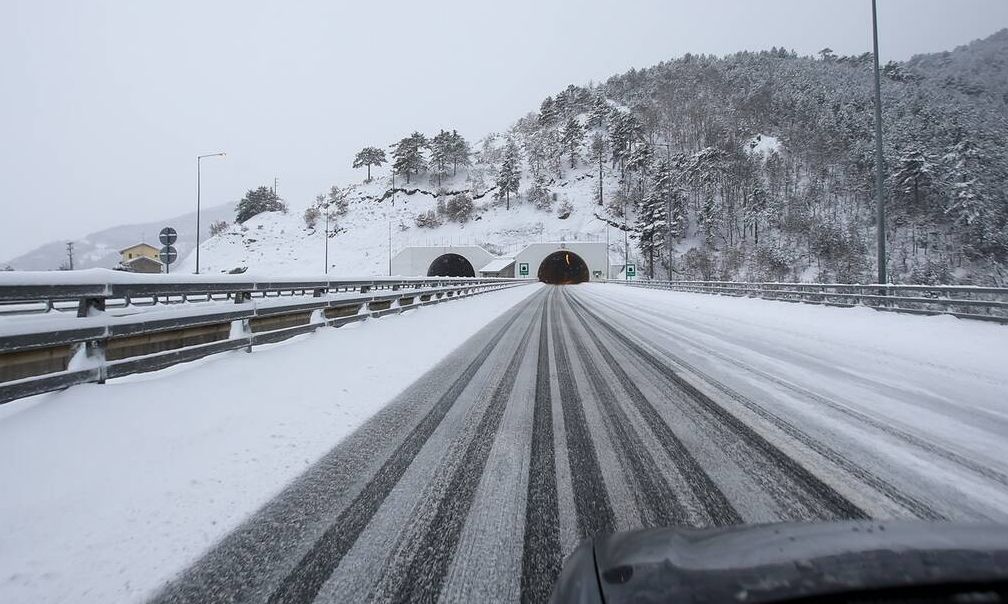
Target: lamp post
{"x": 879, "y": 178}
{"x": 326, "y": 237}
{"x": 199, "y": 158}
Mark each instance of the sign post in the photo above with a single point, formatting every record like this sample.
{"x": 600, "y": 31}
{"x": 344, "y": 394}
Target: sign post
{"x": 631, "y": 271}
{"x": 168, "y": 254}
{"x": 523, "y": 269}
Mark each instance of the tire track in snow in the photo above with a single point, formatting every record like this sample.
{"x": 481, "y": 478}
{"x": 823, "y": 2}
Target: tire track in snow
{"x": 814, "y": 493}
{"x": 900, "y": 434}
{"x": 591, "y": 499}
{"x": 541, "y": 554}
{"x": 423, "y": 578}
{"x": 303, "y": 582}
{"x": 715, "y": 505}
{"x": 656, "y": 500}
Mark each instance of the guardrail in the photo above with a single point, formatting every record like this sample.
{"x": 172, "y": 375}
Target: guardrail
{"x": 965, "y": 302}
{"x": 132, "y": 327}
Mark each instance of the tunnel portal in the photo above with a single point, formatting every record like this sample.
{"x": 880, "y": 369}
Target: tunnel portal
{"x": 451, "y": 265}
{"x": 563, "y": 268}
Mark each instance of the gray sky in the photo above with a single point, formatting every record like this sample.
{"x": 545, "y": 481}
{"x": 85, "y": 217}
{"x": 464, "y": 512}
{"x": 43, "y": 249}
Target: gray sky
{"x": 105, "y": 104}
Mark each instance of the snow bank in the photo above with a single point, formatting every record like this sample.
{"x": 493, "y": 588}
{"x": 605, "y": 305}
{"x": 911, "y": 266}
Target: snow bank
{"x": 110, "y": 489}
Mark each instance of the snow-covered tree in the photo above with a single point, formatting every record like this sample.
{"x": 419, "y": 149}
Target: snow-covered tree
{"x": 409, "y": 155}
{"x": 572, "y": 139}
{"x": 257, "y": 201}
{"x": 509, "y": 177}
{"x": 441, "y": 154}
{"x": 458, "y": 151}
{"x": 367, "y": 157}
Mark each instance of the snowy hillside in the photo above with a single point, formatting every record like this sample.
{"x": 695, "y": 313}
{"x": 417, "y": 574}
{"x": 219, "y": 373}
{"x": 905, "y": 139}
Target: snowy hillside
{"x": 282, "y": 243}
{"x": 753, "y": 166}
{"x": 101, "y": 249}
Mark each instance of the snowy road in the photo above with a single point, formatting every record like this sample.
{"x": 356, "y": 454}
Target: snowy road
{"x": 597, "y": 408}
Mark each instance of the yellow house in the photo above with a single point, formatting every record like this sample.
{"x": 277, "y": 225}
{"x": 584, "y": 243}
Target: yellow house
{"x": 131, "y": 258}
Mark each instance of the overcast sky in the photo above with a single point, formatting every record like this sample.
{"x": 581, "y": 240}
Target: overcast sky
{"x": 104, "y": 105}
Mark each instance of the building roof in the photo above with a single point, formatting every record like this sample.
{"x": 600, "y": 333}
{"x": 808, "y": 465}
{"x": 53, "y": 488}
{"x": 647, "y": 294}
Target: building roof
{"x": 136, "y": 245}
{"x": 141, "y": 259}
{"x": 497, "y": 265}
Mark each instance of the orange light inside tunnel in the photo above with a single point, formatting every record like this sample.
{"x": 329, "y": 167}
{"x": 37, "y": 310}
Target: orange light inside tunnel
{"x": 567, "y": 258}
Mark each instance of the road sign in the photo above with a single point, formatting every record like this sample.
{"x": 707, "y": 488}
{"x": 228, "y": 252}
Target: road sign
{"x": 168, "y": 255}
{"x": 523, "y": 269}
{"x": 167, "y": 236}
{"x": 631, "y": 270}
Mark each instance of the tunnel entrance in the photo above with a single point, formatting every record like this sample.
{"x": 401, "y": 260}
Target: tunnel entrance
{"x": 563, "y": 268}
{"x": 451, "y": 265}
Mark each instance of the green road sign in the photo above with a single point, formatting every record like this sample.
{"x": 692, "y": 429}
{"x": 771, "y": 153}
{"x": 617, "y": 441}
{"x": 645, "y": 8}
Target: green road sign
{"x": 631, "y": 270}
{"x": 523, "y": 269}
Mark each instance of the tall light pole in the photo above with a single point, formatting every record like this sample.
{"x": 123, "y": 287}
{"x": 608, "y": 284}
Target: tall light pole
{"x": 879, "y": 178}
{"x": 199, "y": 158}
{"x": 326, "y": 237}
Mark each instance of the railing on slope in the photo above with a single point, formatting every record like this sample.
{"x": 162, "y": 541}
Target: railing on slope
{"x": 132, "y": 327}
{"x": 966, "y": 302}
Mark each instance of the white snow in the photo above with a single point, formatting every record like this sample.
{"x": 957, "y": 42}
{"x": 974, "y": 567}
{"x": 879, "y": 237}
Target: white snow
{"x": 763, "y": 145}
{"x": 110, "y": 489}
{"x": 941, "y": 379}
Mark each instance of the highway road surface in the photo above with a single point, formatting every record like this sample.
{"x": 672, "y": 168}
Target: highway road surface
{"x": 571, "y": 416}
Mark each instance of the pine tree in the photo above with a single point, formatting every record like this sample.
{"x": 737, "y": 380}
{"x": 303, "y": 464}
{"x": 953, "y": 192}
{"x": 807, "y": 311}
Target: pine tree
{"x": 599, "y": 147}
{"x": 548, "y": 112}
{"x": 257, "y": 201}
{"x": 510, "y": 173}
{"x": 572, "y": 139}
{"x": 409, "y": 155}
{"x": 369, "y": 156}
{"x": 599, "y": 113}
{"x": 441, "y": 154}
{"x": 459, "y": 152}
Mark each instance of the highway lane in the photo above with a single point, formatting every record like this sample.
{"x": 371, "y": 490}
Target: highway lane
{"x": 568, "y": 417}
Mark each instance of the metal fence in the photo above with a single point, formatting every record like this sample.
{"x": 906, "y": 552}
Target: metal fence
{"x": 966, "y": 302}
{"x": 56, "y": 336}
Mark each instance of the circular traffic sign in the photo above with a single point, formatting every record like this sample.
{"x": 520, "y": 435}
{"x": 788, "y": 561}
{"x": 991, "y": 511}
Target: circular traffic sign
{"x": 167, "y": 236}
{"x": 168, "y": 254}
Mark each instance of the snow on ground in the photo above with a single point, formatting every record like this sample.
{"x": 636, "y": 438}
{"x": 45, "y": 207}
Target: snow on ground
{"x": 110, "y": 489}
{"x": 277, "y": 243}
{"x": 856, "y": 376}
{"x": 763, "y": 145}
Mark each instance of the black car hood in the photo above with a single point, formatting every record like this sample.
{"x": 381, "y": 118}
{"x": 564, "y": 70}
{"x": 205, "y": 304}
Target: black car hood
{"x": 779, "y": 562}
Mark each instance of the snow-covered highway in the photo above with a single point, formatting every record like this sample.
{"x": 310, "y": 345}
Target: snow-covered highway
{"x": 571, "y": 410}
{"x": 593, "y": 409}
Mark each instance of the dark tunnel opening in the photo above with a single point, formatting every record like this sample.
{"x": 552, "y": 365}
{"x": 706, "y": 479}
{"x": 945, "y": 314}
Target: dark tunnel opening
{"x": 451, "y": 265}
{"x": 563, "y": 268}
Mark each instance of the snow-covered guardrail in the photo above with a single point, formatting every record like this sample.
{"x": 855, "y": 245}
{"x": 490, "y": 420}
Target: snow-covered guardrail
{"x": 966, "y": 302}
{"x": 56, "y": 335}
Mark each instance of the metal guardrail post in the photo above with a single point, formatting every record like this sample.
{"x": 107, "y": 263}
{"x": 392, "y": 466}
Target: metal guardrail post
{"x": 85, "y": 306}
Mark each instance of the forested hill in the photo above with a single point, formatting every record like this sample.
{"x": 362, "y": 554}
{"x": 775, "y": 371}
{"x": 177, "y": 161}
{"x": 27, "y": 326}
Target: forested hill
{"x": 806, "y": 209}
{"x": 754, "y": 166}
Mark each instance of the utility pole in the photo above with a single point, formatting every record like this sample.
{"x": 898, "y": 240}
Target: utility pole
{"x": 879, "y": 178}
{"x": 390, "y": 247}
{"x": 69, "y": 249}
{"x": 275, "y": 181}
{"x": 326, "y": 238}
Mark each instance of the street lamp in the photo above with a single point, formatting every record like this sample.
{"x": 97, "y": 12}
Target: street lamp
{"x": 199, "y": 158}
{"x": 879, "y": 178}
